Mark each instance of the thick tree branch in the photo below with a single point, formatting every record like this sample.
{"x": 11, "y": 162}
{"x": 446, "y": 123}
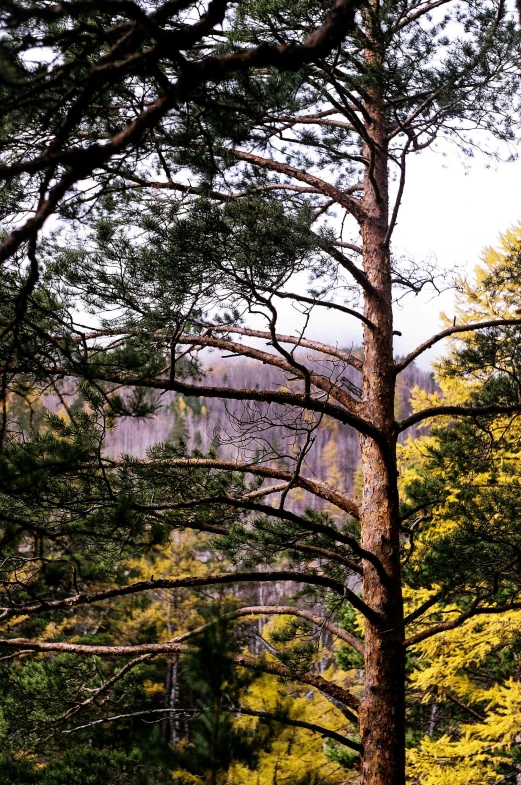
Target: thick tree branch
{"x": 305, "y": 523}
{"x": 299, "y": 400}
{"x": 278, "y": 669}
{"x": 190, "y": 189}
{"x": 350, "y": 247}
{"x": 176, "y": 645}
{"x": 319, "y": 381}
{"x": 264, "y": 509}
{"x": 339, "y": 21}
{"x": 474, "y": 610}
{"x": 333, "y": 249}
{"x": 341, "y": 500}
{"x": 265, "y": 716}
{"x": 344, "y": 199}
{"x": 290, "y": 610}
{"x": 324, "y": 304}
{"x": 421, "y": 609}
{"x": 91, "y": 650}
{"x": 282, "y": 514}
{"x": 275, "y": 610}
{"x": 457, "y": 411}
{"x": 460, "y": 328}
{"x": 85, "y": 598}
{"x": 285, "y": 398}
{"x": 320, "y": 118}
{"x": 285, "y": 515}
{"x": 422, "y": 10}
{"x": 329, "y": 555}
{"x": 347, "y": 357}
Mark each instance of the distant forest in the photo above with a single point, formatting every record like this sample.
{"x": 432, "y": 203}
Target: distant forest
{"x": 203, "y": 424}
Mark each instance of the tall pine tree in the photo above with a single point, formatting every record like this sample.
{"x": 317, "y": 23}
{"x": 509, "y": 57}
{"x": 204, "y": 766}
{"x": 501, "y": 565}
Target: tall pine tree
{"x": 194, "y": 182}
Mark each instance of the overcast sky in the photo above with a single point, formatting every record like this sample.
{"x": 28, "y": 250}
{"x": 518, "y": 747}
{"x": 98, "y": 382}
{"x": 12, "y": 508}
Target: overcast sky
{"x": 449, "y": 213}
{"x": 453, "y": 215}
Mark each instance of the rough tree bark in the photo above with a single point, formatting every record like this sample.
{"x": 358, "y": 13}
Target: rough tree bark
{"x": 382, "y": 715}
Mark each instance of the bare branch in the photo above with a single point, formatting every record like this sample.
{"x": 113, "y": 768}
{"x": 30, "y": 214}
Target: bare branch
{"x": 316, "y": 346}
{"x": 266, "y": 490}
{"x": 345, "y": 356}
{"x": 262, "y": 715}
{"x": 320, "y": 118}
{"x": 78, "y": 648}
{"x": 290, "y": 610}
{"x": 106, "y": 686}
{"x": 462, "y": 705}
{"x": 144, "y": 713}
{"x": 269, "y": 610}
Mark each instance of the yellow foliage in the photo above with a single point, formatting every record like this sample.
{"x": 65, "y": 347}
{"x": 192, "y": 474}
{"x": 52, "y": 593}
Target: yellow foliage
{"x": 152, "y": 688}
{"x": 472, "y": 753}
{"x": 184, "y": 777}
{"x": 453, "y": 651}
{"x": 445, "y": 762}
{"x": 468, "y": 670}
{"x": 295, "y": 752}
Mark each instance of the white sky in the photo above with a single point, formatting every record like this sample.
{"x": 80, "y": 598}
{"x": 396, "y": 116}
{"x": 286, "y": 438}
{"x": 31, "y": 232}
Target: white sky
{"x": 453, "y": 215}
{"x": 449, "y": 213}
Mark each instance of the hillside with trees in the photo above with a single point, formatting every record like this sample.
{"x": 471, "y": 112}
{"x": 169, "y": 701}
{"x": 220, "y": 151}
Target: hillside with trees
{"x": 206, "y": 424}
{"x": 242, "y": 602}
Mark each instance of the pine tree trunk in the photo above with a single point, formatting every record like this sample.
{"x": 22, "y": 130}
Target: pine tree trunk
{"x": 382, "y": 715}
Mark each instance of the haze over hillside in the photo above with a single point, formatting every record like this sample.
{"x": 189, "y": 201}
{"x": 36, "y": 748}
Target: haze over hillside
{"x": 272, "y": 430}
